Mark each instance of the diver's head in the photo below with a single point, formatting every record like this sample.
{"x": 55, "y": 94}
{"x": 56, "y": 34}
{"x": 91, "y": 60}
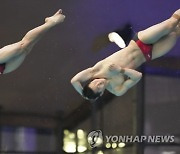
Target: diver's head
{"x": 95, "y": 89}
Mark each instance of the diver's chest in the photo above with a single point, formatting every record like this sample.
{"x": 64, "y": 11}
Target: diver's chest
{"x": 116, "y": 80}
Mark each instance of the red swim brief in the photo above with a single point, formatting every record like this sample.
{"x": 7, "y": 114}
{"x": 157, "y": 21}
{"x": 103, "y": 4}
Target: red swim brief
{"x": 145, "y": 48}
{"x": 2, "y": 68}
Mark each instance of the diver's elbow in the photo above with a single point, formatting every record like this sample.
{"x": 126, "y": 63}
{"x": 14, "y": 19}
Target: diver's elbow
{"x": 73, "y": 80}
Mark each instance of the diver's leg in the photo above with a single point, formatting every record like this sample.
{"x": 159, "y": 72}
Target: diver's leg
{"x": 156, "y": 32}
{"x": 30, "y": 39}
{"x": 164, "y": 45}
{"x": 33, "y": 36}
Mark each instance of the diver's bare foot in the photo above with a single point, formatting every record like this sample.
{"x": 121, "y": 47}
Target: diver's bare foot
{"x": 57, "y": 18}
{"x": 177, "y": 15}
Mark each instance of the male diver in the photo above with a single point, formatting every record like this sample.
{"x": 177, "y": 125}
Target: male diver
{"x": 117, "y": 73}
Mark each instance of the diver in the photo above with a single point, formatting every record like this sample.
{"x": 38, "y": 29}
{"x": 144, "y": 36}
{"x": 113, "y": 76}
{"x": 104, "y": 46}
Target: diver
{"x": 117, "y": 73}
{"x": 12, "y": 56}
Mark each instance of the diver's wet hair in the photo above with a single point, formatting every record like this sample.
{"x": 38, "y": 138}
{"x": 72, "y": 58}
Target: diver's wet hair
{"x": 89, "y": 93}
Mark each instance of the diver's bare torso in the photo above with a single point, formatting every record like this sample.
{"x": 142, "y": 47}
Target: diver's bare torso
{"x": 108, "y": 68}
{"x": 129, "y": 57}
